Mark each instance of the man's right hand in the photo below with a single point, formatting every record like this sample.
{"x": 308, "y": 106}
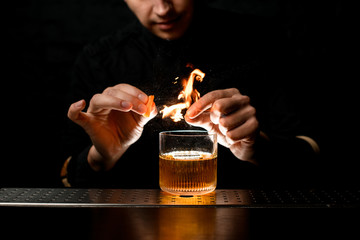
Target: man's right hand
{"x": 114, "y": 121}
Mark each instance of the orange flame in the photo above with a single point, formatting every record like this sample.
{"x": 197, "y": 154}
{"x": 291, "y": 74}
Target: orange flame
{"x": 188, "y": 95}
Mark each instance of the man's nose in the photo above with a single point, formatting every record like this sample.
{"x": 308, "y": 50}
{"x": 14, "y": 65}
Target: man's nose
{"x": 162, "y": 7}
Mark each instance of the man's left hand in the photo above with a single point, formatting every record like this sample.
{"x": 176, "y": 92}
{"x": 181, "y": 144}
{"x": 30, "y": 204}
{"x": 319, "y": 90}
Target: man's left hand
{"x": 229, "y": 114}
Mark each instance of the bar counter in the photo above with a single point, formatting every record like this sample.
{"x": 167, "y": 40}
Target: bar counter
{"x": 53, "y": 213}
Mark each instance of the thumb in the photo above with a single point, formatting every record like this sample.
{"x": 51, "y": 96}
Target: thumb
{"x": 75, "y": 113}
{"x": 202, "y": 120}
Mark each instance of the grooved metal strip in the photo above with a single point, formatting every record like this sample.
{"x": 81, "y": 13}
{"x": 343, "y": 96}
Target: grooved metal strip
{"x": 70, "y": 197}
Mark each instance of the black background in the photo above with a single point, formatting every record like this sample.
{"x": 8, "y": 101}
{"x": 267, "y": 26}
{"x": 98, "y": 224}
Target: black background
{"x": 43, "y": 38}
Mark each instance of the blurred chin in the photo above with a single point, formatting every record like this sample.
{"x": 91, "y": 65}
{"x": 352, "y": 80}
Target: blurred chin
{"x": 168, "y": 35}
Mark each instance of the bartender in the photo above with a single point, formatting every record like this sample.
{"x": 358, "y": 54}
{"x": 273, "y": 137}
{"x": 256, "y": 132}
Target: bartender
{"x": 110, "y": 143}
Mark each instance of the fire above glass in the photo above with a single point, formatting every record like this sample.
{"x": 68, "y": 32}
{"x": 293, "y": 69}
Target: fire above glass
{"x": 187, "y": 95}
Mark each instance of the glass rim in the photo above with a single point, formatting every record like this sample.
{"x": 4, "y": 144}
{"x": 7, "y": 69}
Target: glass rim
{"x": 186, "y": 133}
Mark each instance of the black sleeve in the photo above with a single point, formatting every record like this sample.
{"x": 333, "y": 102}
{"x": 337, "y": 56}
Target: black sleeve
{"x": 283, "y": 157}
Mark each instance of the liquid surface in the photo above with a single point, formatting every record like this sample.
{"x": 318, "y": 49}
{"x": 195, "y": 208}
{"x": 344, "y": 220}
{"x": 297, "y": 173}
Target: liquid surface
{"x": 188, "y": 172}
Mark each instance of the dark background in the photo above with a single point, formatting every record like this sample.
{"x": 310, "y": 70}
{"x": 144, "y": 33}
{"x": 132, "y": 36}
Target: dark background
{"x": 44, "y": 37}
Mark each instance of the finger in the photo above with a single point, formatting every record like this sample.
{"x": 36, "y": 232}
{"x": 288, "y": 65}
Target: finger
{"x": 237, "y": 118}
{"x": 207, "y": 101}
{"x": 245, "y": 131}
{"x": 75, "y": 113}
{"x": 230, "y": 104}
{"x": 129, "y": 89}
{"x": 137, "y": 101}
{"x": 100, "y": 102}
{"x": 223, "y": 130}
{"x": 202, "y": 120}
{"x": 226, "y": 106}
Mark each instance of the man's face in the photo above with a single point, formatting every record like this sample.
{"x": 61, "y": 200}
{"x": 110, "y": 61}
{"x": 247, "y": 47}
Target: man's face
{"x": 167, "y": 19}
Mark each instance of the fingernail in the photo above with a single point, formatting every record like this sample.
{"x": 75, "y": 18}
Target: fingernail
{"x": 125, "y": 104}
{"x": 79, "y": 104}
{"x": 143, "y": 97}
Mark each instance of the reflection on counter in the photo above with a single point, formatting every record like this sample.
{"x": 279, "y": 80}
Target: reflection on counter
{"x": 170, "y": 223}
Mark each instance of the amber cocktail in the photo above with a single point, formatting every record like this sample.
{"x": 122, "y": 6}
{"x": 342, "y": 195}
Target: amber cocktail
{"x": 188, "y": 162}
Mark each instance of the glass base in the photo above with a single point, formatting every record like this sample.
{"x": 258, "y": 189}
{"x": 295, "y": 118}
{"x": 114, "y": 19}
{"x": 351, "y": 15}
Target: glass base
{"x": 188, "y": 192}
